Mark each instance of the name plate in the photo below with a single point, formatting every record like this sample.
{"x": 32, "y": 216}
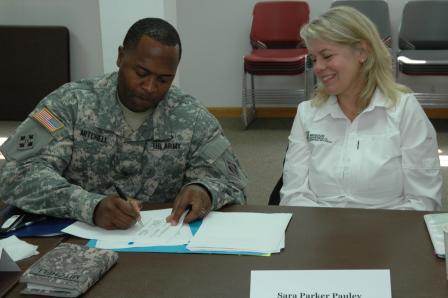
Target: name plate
{"x": 320, "y": 284}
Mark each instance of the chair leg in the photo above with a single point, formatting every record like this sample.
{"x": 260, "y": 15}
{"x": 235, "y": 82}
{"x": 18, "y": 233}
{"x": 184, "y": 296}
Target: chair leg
{"x": 252, "y": 91}
{"x": 310, "y": 79}
{"x": 244, "y": 102}
{"x": 247, "y": 113}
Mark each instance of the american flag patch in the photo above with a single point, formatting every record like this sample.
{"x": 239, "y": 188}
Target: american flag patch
{"x": 48, "y": 120}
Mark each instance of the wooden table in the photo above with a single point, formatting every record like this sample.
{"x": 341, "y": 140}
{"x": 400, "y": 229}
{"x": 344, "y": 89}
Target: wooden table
{"x": 316, "y": 238}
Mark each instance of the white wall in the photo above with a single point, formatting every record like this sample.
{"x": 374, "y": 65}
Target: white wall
{"x": 116, "y": 17}
{"x": 80, "y": 16}
{"x": 214, "y": 38}
{"x": 214, "y": 33}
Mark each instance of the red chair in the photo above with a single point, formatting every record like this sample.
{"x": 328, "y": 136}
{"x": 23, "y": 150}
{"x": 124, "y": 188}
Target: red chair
{"x": 277, "y": 50}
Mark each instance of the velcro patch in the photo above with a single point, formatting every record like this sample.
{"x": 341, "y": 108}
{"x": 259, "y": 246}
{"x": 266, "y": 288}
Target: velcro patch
{"x": 48, "y": 120}
{"x": 26, "y": 142}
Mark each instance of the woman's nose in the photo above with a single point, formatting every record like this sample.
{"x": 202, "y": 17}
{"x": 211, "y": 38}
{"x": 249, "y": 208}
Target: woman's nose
{"x": 318, "y": 65}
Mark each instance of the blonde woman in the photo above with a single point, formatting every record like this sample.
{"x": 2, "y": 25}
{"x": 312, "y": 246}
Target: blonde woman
{"x": 363, "y": 141}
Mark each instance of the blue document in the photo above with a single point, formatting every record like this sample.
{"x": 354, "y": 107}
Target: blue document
{"x": 14, "y": 221}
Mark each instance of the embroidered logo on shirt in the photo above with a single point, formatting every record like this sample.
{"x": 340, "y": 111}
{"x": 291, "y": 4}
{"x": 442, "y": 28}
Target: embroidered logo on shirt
{"x": 48, "y": 120}
{"x": 26, "y": 142}
{"x": 315, "y": 137}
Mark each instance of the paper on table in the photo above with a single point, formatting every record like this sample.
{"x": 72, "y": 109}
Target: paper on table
{"x": 154, "y": 232}
{"x": 241, "y": 231}
{"x": 434, "y": 223}
{"x": 18, "y": 249}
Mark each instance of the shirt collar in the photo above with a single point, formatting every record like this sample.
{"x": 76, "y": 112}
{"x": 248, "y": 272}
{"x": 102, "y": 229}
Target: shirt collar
{"x": 331, "y": 107}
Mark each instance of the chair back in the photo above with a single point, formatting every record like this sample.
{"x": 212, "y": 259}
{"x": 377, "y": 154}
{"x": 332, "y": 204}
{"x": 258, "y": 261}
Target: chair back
{"x": 424, "y": 25}
{"x": 274, "y": 198}
{"x": 376, "y": 10}
{"x": 277, "y": 23}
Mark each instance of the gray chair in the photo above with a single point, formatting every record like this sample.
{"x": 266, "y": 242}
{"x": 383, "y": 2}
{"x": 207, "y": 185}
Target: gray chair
{"x": 422, "y": 62}
{"x": 377, "y": 11}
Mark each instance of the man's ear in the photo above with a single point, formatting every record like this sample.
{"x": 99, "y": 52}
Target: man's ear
{"x": 120, "y": 56}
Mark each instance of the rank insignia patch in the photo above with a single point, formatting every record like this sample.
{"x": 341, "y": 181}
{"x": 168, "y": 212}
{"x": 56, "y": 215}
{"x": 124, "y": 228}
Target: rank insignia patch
{"x": 48, "y": 120}
{"x": 26, "y": 142}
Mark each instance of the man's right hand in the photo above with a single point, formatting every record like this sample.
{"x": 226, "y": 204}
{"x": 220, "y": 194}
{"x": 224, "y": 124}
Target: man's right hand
{"x": 115, "y": 213}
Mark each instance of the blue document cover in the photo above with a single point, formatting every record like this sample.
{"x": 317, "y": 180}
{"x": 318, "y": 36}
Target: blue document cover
{"x": 15, "y": 221}
{"x": 49, "y": 227}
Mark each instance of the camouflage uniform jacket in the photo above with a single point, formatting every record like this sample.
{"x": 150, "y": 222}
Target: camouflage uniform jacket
{"x": 71, "y": 150}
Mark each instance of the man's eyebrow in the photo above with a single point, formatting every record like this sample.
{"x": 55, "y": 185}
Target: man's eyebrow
{"x": 158, "y": 74}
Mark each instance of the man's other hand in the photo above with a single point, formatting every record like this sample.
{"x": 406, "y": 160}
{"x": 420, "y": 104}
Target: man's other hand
{"x": 192, "y": 196}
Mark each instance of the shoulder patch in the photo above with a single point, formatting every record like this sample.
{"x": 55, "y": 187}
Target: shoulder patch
{"x": 26, "y": 141}
{"x": 48, "y": 120}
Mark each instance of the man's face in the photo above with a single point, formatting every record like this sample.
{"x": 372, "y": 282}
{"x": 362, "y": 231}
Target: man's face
{"x": 145, "y": 74}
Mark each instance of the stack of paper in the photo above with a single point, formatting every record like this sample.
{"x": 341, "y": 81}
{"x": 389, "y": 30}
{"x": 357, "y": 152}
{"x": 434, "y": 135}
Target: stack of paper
{"x": 219, "y": 232}
{"x": 435, "y": 223}
{"x": 155, "y": 231}
{"x": 18, "y": 249}
{"x": 241, "y": 231}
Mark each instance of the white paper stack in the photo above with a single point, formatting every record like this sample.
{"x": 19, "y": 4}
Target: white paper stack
{"x": 18, "y": 249}
{"x": 241, "y": 231}
{"x": 155, "y": 231}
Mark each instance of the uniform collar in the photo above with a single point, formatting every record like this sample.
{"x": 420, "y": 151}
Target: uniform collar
{"x": 110, "y": 116}
{"x": 160, "y": 128}
{"x": 160, "y": 120}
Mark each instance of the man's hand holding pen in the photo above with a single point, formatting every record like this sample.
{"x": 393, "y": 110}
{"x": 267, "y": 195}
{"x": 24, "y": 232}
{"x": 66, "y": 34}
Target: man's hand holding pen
{"x": 113, "y": 212}
{"x": 194, "y": 197}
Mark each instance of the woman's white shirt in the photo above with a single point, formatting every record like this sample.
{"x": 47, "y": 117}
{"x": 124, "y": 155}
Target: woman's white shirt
{"x": 385, "y": 158}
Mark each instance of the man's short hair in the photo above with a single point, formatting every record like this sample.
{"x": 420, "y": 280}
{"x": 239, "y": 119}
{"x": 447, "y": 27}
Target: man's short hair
{"x": 155, "y": 28}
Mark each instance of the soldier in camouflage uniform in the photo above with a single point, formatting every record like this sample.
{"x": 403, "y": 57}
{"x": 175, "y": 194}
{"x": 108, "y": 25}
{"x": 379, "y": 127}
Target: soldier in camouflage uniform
{"x": 132, "y": 129}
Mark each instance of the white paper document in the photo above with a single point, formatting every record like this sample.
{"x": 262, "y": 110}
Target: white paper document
{"x": 155, "y": 231}
{"x": 435, "y": 223}
{"x": 241, "y": 231}
{"x": 320, "y": 283}
{"x": 18, "y": 249}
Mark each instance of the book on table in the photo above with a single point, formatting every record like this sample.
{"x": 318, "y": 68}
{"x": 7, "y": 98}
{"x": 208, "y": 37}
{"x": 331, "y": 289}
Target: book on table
{"x": 68, "y": 270}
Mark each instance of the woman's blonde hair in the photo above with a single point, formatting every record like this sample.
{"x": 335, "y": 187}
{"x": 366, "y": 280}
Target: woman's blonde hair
{"x": 347, "y": 26}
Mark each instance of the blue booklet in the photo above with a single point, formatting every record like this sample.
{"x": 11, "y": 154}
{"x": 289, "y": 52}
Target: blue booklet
{"x": 14, "y": 221}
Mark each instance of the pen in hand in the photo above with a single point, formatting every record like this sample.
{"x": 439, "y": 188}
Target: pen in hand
{"x": 125, "y": 197}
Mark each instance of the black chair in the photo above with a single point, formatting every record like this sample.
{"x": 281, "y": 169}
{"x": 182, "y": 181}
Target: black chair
{"x": 274, "y": 198}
